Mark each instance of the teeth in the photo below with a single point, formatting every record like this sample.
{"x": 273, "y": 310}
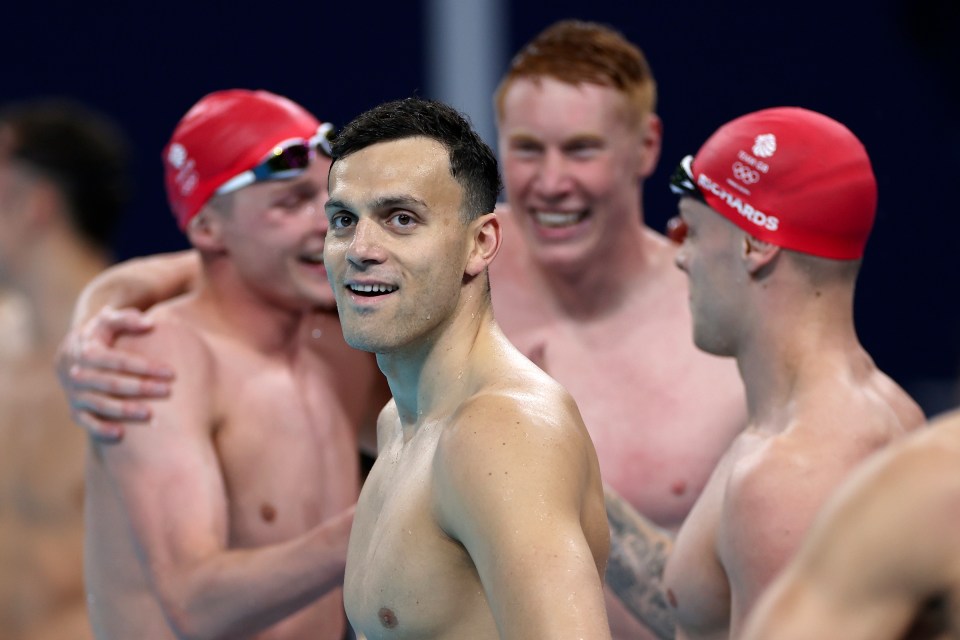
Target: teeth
{"x": 372, "y": 288}
{"x": 557, "y": 218}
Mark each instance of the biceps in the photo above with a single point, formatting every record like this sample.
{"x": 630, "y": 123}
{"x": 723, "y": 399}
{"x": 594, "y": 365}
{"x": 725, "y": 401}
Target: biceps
{"x": 171, "y": 492}
{"x": 545, "y": 581}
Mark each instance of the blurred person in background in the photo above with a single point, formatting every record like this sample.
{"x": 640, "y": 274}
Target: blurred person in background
{"x": 63, "y": 186}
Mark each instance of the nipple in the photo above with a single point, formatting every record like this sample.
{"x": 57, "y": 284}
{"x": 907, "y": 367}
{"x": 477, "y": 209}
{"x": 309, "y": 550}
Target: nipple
{"x": 678, "y": 488}
{"x": 268, "y": 512}
{"x": 387, "y": 618}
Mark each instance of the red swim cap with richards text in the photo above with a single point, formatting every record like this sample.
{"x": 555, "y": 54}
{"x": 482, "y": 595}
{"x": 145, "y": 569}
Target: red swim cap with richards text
{"x": 791, "y": 177}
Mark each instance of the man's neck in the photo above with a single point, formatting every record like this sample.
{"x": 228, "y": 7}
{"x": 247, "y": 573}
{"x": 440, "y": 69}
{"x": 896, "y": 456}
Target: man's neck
{"x": 791, "y": 350}
{"x": 600, "y": 285}
{"x": 265, "y": 325}
{"x": 433, "y": 377}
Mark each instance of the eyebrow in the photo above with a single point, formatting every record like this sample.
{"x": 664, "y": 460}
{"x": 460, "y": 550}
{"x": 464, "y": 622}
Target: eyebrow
{"x": 383, "y": 202}
{"x": 579, "y": 137}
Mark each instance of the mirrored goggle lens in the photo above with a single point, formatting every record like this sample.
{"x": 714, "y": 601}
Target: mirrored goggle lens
{"x": 294, "y": 157}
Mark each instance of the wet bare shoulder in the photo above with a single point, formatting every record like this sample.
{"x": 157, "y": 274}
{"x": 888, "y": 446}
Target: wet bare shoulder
{"x": 515, "y": 481}
{"x": 508, "y": 443}
{"x": 519, "y": 417}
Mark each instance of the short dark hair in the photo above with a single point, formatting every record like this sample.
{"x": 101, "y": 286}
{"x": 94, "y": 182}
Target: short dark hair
{"x": 80, "y": 151}
{"x": 472, "y": 162}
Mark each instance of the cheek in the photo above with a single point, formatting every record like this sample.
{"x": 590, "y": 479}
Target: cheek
{"x": 603, "y": 178}
{"x": 518, "y": 174}
{"x": 333, "y": 253}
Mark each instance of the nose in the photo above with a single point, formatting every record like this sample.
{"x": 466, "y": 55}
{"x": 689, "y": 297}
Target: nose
{"x": 553, "y": 176}
{"x": 366, "y": 244}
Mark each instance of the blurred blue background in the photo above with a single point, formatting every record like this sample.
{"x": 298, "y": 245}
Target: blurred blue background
{"x": 888, "y": 69}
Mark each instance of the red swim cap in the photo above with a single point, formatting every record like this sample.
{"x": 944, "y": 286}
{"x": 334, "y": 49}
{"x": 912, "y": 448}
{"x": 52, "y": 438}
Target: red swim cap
{"x": 224, "y": 134}
{"x": 791, "y": 177}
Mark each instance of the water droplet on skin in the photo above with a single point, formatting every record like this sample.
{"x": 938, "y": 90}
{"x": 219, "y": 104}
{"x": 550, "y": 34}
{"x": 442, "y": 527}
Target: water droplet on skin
{"x": 316, "y": 333}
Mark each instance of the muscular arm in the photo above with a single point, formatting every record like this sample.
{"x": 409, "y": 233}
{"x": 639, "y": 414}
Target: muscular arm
{"x": 886, "y": 546}
{"x": 139, "y": 283}
{"x": 638, "y": 554}
{"x": 171, "y": 489}
{"x": 772, "y": 498}
{"x": 105, "y": 385}
{"x": 514, "y": 490}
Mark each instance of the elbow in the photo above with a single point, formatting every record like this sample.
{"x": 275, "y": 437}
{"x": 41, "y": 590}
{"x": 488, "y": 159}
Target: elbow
{"x": 184, "y": 623}
{"x": 187, "y": 617}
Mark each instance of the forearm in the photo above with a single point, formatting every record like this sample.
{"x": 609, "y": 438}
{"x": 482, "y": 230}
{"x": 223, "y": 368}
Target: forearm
{"x": 245, "y": 591}
{"x": 140, "y": 283}
{"x": 638, "y": 554}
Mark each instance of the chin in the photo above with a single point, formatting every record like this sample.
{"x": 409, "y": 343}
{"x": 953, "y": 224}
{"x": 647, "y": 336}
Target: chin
{"x": 363, "y": 340}
{"x": 560, "y": 259}
{"x": 712, "y": 344}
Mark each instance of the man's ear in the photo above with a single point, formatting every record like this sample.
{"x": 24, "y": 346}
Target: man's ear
{"x": 486, "y": 236}
{"x": 758, "y": 255}
{"x": 651, "y": 141}
{"x": 205, "y": 230}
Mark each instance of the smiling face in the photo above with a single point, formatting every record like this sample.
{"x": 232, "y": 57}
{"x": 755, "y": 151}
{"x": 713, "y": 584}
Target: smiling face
{"x": 573, "y": 166}
{"x": 711, "y": 257}
{"x": 274, "y": 233}
{"x": 397, "y": 246}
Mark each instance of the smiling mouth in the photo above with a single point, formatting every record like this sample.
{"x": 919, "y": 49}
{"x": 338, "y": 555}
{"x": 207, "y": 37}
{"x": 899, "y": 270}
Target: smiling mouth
{"x": 558, "y": 219}
{"x": 372, "y": 290}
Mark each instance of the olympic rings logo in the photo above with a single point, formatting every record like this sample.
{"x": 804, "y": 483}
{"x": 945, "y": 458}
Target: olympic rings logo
{"x": 745, "y": 174}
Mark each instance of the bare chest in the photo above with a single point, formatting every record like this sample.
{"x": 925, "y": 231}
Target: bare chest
{"x": 697, "y": 586}
{"x": 405, "y": 578}
{"x": 659, "y": 412}
{"x": 698, "y": 572}
{"x": 288, "y": 452}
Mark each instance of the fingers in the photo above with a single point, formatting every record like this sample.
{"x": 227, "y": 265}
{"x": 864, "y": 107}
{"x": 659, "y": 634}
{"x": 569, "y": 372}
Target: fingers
{"x": 97, "y": 336}
{"x": 100, "y": 430}
{"x": 104, "y": 381}
{"x": 97, "y": 356}
{"x": 103, "y": 384}
{"x": 90, "y": 348}
{"x": 105, "y": 407}
{"x": 110, "y": 323}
